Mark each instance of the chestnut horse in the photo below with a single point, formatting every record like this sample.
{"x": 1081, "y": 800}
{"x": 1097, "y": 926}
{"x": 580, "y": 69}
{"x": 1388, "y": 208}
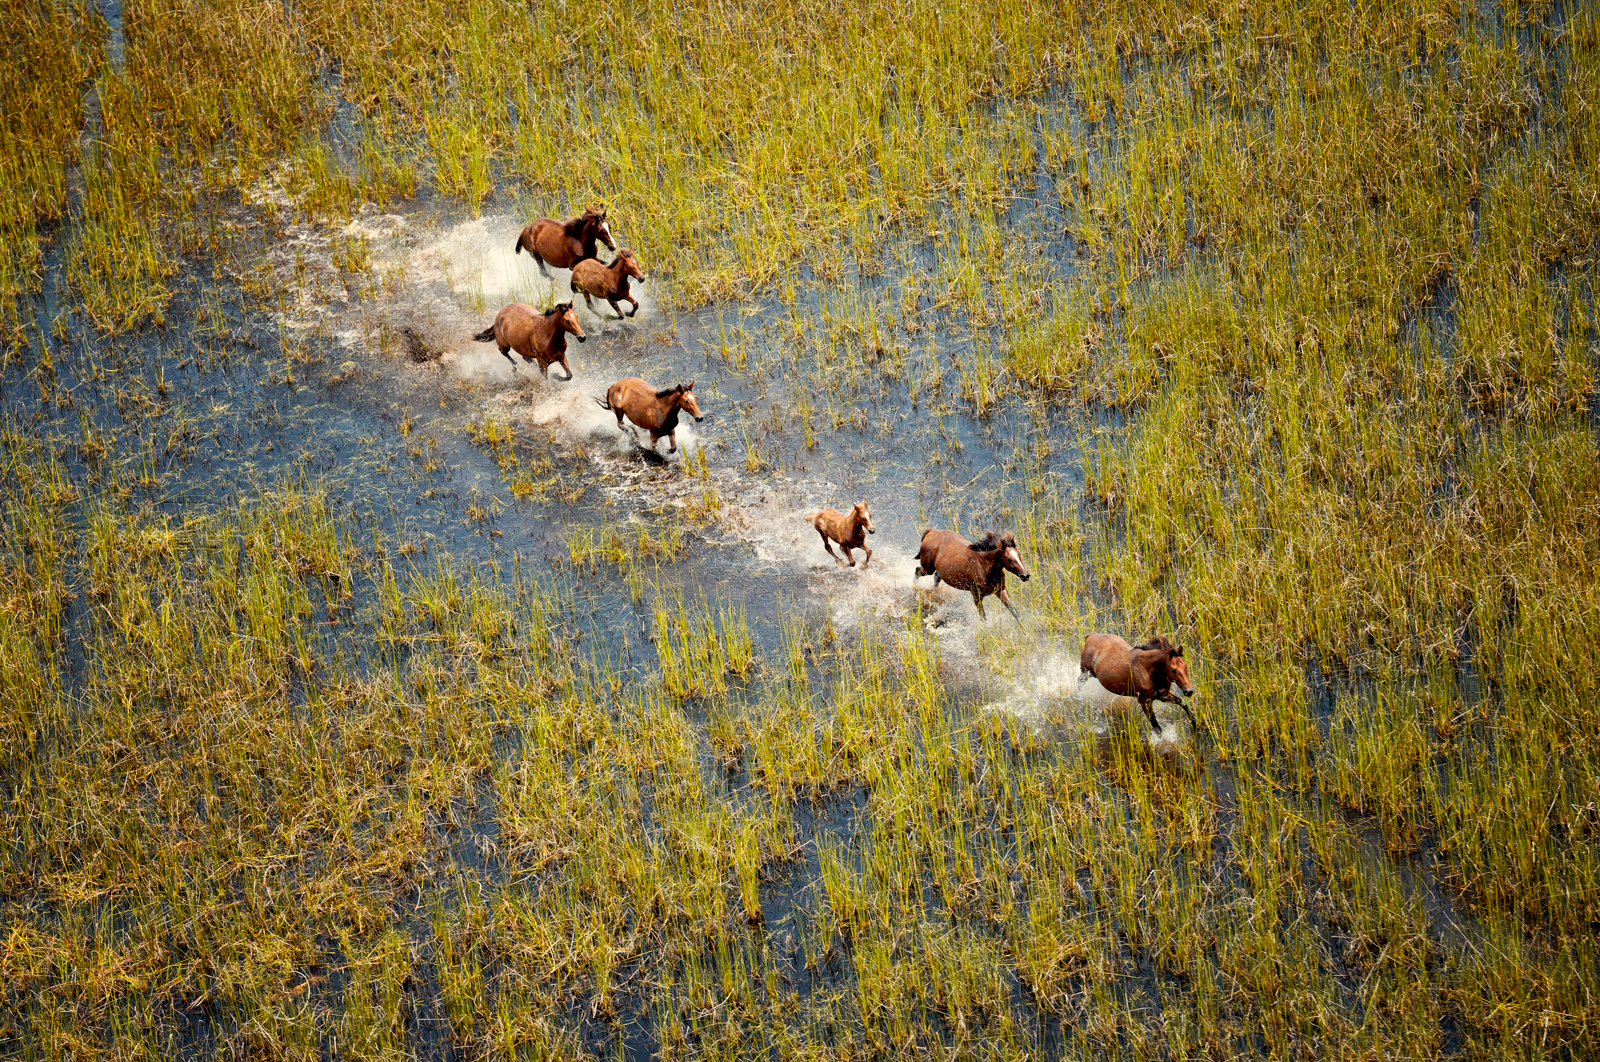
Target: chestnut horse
{"x": 1148, "y": 672}
{"x": 979, "y": 567}
{"x": 850, "y": 530}
{"x": 540, "y": 337}
{"x": 610, "y": 282}
{"x": 565, "y": 243}
{"x": 655, "y": 411}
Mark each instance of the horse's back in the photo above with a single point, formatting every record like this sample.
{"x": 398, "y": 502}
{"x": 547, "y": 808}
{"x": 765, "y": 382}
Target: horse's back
{"x": 830, "y": 522}
{"x": 592, "y": 275}
{"x": 627, "y": 391}
{"x": 514, "y": 321}
{"x": 1098, "y": 650}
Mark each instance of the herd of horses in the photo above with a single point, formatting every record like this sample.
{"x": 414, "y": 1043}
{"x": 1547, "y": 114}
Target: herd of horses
{"x": 1154, "y": 670}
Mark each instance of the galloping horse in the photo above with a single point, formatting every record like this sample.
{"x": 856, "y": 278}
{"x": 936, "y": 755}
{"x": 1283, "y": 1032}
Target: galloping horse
{"x": 565, "y": 243}
{"x": 979, "y": 567}
{"x": 540, "y": 337}
{"x": 655, "y": 411}
{"x": 1146, "y": 671}
{"x": 850, "y": 530}
{"x": 610, "y": 282}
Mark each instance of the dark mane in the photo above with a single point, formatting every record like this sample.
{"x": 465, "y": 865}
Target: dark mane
{"x": 989, "y": 541}
{"x": 557, "y": 308}
{"x": 1160, "y": 643}
{"x": 667, "y": 391}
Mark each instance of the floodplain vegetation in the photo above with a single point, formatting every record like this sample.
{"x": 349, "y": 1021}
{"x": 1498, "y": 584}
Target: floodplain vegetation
{"x": 1312, "y": 287}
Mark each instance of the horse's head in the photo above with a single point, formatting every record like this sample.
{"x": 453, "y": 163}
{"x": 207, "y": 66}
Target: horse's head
{"x": 1005, "y": 545}
{"x": 1178, "y": 669}
{"x": 686, "y": 400}
{"x": 569, "y": 320}
{"x": 596, "y": 221}
{"x": 630, "y": 265}
{"x": 863, "y": 516}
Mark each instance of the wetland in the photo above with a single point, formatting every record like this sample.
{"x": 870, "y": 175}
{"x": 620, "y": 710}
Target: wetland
{"x": 362, "y": 697}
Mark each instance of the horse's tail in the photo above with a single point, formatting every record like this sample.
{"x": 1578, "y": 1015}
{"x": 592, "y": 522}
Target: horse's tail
{"x": 518, "y": 248}
{"x": 604, "y": 403}
{"x": 485, "y": 336}
{"x": 812, "y": 516}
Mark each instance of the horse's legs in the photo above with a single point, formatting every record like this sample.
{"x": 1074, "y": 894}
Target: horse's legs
{"x": 616, "y": 309}
{"x": 935, "y": 574}
{"x": 977, "y": 599}
{"x": 672, "y": 441}
{"x": 1005, "y": 599}
{"x": 827, "y": 545}
{"x": 1192, "y": 721}
{"x": 635, "y": 311}
{"x": 1144, "y": 702}
{"x": 506, "y": 351}
{"x": 540, "y": 260}
{"x": 851, "y": 557}
{"x": 544, "y": 369}
{"x": 868, "y": 561}
{"x": 565, "y": 366}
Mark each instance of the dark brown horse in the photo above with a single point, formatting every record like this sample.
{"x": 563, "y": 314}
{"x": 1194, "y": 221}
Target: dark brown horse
{"x": 979, "y": 567}
{"x": 1148, "y": 672}
{"x": 540, "y": 337}
{"x": 655, "y": 411}
{"x": 566, "y": 243}
{"x": 610, "y": 282}
{"x": 849, "y": 529}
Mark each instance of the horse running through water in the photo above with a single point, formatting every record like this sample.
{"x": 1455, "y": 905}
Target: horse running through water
{"x": 655, "y": 411}
{"x": 850, "y": 530}
{"x": 540, "y": 337}
{"x": 565, "y": 243}
{"x": 1147, "y": 671}
{"x": 978, "y": 567}
{"x": 610, "y": 282}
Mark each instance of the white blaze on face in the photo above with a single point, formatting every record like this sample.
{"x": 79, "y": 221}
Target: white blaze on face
{"x": 605, "y": 227}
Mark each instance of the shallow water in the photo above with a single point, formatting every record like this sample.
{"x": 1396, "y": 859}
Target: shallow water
{"x": 319, "y": 388}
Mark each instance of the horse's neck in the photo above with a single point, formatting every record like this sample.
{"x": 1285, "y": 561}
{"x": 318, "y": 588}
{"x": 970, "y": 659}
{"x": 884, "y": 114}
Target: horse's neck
{"x": 1155, "y": 661}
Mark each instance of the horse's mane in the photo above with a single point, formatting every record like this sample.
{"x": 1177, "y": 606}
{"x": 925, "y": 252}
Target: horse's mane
{"x": 989, "y": 541}
{"x": 1160, "y": 643}
{"x": 667, "y": 391}
{"x": 574, "y": 225}
{"x": 557, "y": 308}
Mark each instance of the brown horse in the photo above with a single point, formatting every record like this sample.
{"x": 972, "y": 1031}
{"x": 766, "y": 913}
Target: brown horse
{"x": 1147, "y": 671}
{"x": 610, "y": 282}
{"x": 655, "y": 411}
{"x": 979, "y": 567}
{"x": 850, "y": 530}
{"x": 540, "y": 337}
{"x": 565, "y": 243}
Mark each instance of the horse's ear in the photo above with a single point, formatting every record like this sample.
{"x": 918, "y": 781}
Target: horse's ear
{"x": 1178, "y": 651}
{"x": 689, "y": 386}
